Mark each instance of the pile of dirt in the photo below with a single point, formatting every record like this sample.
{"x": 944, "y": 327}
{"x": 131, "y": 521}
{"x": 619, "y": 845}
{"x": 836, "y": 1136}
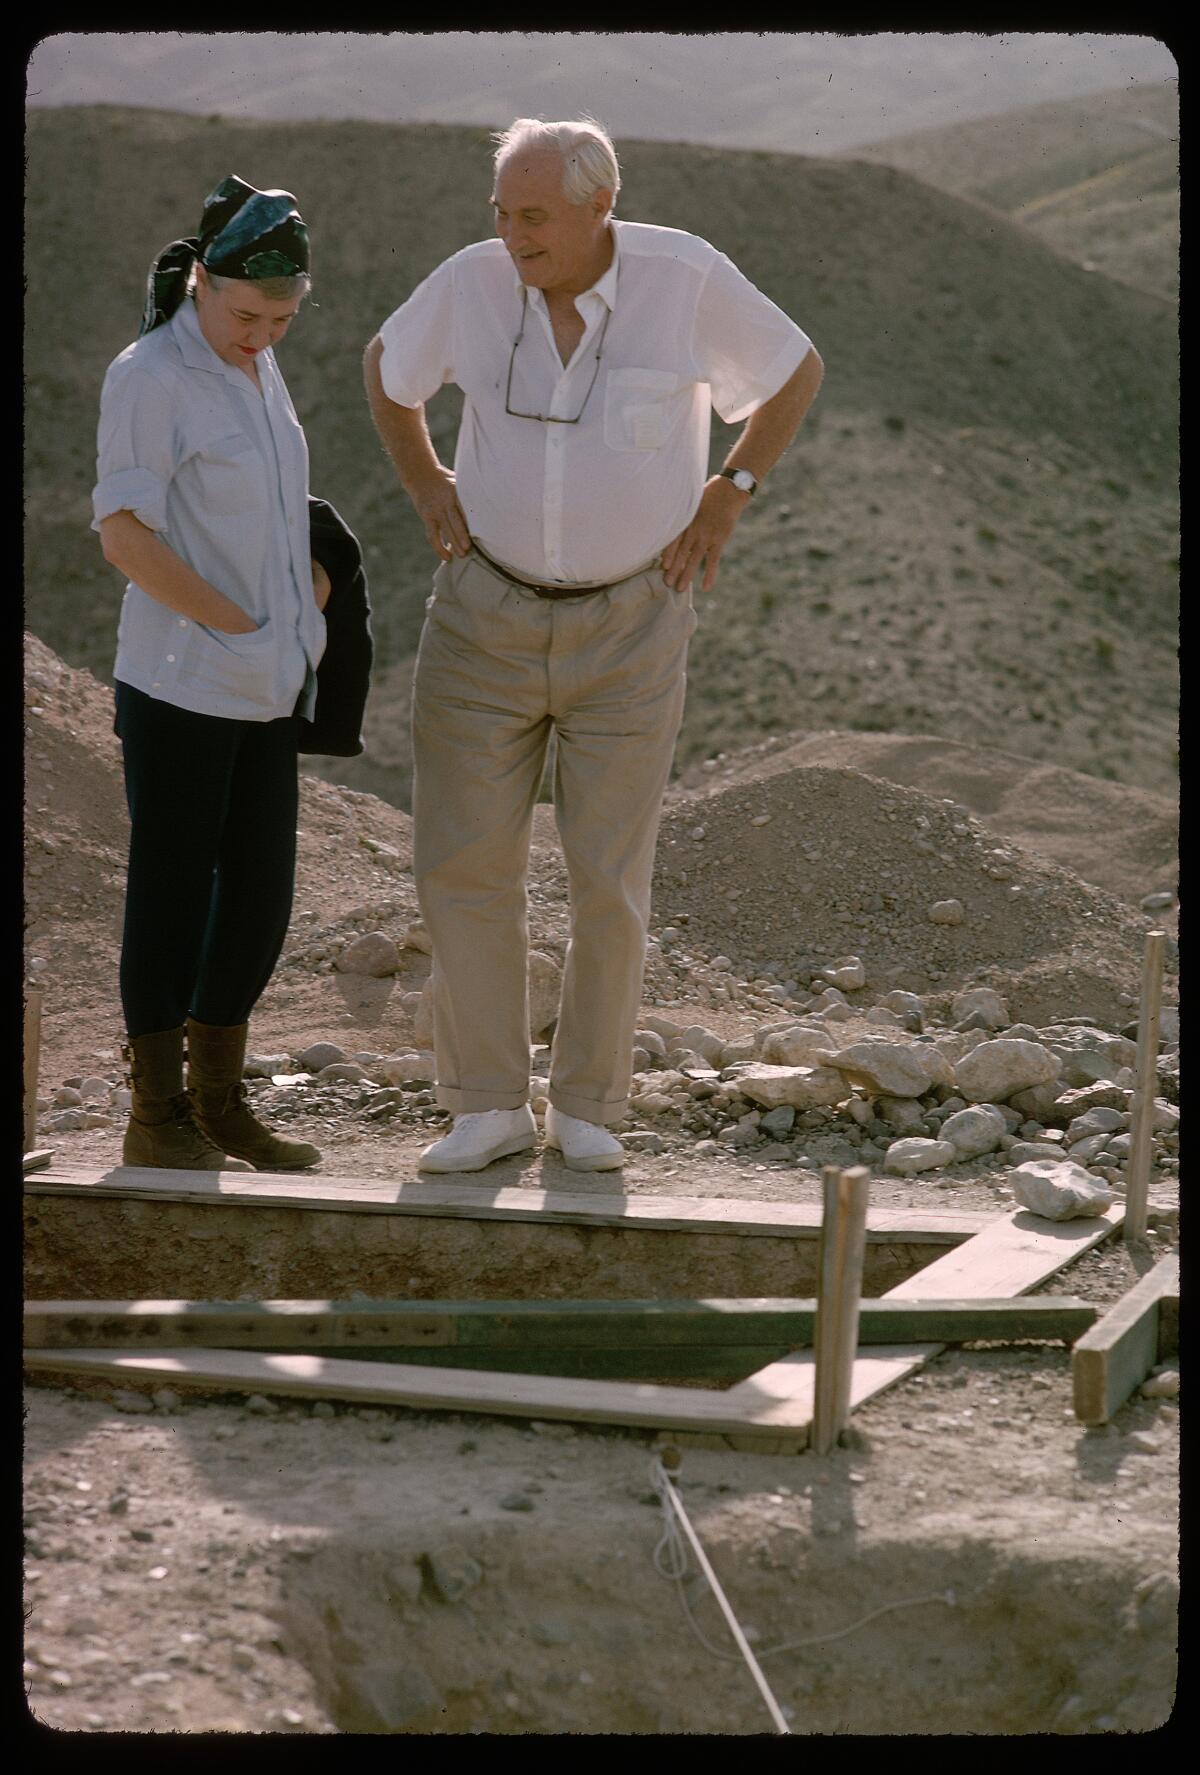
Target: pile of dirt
{"x": 798, "y": 868}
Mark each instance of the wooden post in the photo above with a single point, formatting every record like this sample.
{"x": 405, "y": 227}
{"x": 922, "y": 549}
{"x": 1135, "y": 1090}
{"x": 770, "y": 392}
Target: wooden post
{"x": 839, "y": 1287}
{"x": 1137, "y": 1171}
{"x": 31, "y": 1046}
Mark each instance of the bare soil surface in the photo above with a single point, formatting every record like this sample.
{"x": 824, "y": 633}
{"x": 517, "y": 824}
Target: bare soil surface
{"x": 213, "y": 1564}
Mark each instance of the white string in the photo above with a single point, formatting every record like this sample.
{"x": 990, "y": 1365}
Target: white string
{"x": 671, "y": 1561}
{"x": 671, "y": 1502}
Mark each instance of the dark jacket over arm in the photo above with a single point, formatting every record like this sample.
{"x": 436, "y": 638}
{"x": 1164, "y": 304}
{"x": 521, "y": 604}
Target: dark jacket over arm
{"x": 344, "y": 674}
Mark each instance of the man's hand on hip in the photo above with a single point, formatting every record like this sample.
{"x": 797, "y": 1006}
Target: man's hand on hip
{"x": 436, "y": 504}
{"x": 721, "y": 505}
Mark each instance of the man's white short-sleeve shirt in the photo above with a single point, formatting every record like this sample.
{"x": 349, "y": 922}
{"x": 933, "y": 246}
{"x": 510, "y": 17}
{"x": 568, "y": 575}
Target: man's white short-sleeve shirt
{"x": 590, "y": 501}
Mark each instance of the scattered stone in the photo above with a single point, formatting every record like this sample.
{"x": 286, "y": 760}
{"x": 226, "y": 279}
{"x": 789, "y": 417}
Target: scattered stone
{"x": 344, "y": 1072}
{"x": 946, "y": 912}
{"x": 803, "y": 1087}
{"x": 907, "y": 1006}
{"x": 516, "y": 1500}
{"x": 973, "y": 1132}
{"x": 166, "y": 1399}
{"x": 449, "y": 1579}
{"x": 848, "y": 976}
{"x": 1058, "y": 1189}
{"x": 736, "y": 1052}
{"x": 388, "y": 1697}
{"x": 993, "y": 1071}
{"x": 703, "y": 1042}
{"x": 982, "y": 1003}
{"x": 1164, "y": 1385}
{"x": 1100, "y": 1120}
{"x": 801, "y": 1045}
{"x": 906, "y": 1157}
{"x": 1140, "y": 1442}
{"x": 779, "y": 1121}
{"x": 261, "y": 1406}
{"x": 125, "y": 1400}
{"x": 265, "y": 1066}
{"x": 67, "y": 1097}
{"x": 893, "y": 1069}
{"x": 373, "y": 954}
{"x": 1022, "y": 1150}
{"x": 321, "y": 1054}
{"x": 1159, "y": 902}
{"x": 905, "y": 1114}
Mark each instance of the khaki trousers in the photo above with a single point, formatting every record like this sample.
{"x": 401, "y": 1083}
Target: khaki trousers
{"x": 497, "y": 669}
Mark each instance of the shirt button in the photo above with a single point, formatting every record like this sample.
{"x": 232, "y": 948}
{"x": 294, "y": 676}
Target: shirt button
{"x": 170, "y": 659}
{"x": 156, "y": 687}
{"x": 183, "y": 622}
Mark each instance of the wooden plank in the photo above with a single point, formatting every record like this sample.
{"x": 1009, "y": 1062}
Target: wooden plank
{"x": 1119, "y": 1351}
{"x": 1141, "y": 1126}
{"x": 30, "y": 1056}
{"x": 709, "y": 1214}
{"x": 1010, "y": 1257}
{"x": 378, "y": 1383}
{"x": 37, "y": 1161}
{"x": 473, "y": 1326}
{"x": 839, "y": 1279}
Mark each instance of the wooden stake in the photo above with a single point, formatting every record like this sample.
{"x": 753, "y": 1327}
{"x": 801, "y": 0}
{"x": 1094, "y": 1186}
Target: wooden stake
{"x": 1137, "y": 1172}
{"x": 839, "y": 1289}
{"x": 32, "y": 1046}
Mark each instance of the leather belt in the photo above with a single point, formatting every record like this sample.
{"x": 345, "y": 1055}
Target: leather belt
{"x": 558, "y": 591}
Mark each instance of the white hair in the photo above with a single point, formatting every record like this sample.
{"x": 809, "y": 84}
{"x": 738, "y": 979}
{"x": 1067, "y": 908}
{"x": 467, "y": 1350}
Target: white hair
{"x": 588, "y": 156}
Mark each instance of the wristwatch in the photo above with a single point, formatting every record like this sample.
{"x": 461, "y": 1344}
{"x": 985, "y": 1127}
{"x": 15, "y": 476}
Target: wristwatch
{"x": 742, "y": 479}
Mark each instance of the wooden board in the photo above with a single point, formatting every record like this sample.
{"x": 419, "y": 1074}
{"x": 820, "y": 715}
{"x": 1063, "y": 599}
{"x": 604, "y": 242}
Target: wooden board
{"x": 37, "y": 1160}
{"x": 1014, "y": 1255}
{"x": 298, "y": 1324}
{"x": 377, "y": 1383}
{"x": 1119, "y": 1351}
{"x": 479, "y": 1201}
{"x": 770, "y": 1410}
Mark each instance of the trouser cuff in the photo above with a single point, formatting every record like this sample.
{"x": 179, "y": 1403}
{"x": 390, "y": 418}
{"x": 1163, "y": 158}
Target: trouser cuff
{"x": 466, "y": 1103}
{"x": 587, "y": 1109}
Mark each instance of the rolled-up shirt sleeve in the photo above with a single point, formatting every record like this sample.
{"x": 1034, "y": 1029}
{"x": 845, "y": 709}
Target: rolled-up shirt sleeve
{"x": 747, "y": 347}
{"x": 418, "y": 341}
{"x": 135, "y": 448}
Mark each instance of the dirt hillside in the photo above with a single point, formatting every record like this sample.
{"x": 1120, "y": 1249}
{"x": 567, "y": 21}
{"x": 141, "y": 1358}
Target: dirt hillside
{"x": 974, "y": 537}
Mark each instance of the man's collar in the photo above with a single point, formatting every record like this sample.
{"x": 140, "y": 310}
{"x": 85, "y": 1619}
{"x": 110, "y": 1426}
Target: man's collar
{"x": 605, "y": 286}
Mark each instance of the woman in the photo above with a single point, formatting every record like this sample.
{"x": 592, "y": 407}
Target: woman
{"x": 202, "y": 503}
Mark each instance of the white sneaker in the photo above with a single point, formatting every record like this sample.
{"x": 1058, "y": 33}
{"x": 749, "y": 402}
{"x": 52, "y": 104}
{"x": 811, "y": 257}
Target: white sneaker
{"x": 475, "y": 1140}
{"x": 585, "y": 1146}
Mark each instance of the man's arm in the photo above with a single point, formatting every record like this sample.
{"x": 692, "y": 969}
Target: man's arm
{"x": 142, "y": 556}
{"x": 428, "y": 483}
{"x": 766, "y": 435}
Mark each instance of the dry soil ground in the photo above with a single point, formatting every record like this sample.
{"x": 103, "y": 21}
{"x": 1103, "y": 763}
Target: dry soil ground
{"x": 206, "y": 1565}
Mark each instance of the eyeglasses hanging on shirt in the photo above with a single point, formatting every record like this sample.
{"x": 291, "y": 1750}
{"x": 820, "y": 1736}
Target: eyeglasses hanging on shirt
{"x": 550, "y": 418}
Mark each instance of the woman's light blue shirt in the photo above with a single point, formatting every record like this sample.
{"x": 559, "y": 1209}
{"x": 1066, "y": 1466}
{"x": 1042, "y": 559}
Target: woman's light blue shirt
{"x": 190, "y": 447}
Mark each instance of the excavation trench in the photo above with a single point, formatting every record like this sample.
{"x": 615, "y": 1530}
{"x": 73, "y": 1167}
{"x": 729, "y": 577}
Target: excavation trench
{"x": 514, "y": 1629}
{"x": 112, "y": 1248}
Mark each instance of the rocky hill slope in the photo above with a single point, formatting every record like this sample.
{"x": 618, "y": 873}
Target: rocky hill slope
{"x": 974, "y": 537}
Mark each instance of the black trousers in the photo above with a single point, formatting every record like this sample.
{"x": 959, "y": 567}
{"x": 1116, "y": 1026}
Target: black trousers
{"x": 212, "y": 860}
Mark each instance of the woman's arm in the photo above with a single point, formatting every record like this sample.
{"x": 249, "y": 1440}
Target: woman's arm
{"x": 142, "y": 556}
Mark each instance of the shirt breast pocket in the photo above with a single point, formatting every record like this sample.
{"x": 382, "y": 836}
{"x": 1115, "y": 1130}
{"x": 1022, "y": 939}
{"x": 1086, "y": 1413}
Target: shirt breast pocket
{"x": 230, "y": 477}
{"x": 639, "y": 408}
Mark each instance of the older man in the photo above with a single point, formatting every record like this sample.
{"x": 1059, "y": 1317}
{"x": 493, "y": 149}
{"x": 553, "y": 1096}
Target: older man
{"x": 576, "y": 518}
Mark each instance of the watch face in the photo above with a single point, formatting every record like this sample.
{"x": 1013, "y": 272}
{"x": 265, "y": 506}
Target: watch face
{"x": 743, "y": 480}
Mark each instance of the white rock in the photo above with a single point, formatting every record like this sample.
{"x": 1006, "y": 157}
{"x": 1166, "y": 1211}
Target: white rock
{"x": 743, "y": 1048}
{"x": 973, "y": 1132}
{"x": 992, "y": 1072}
{"x": 1164, "y": 1116}
{"x": 952, "y": 1047}
{"x": 946, "y": 912}
{"x": 67, "y": 1097}
{"x": 95, "y": 1087}
{"x": 1058, "y": 1189}
{"x": 848, "y": 976}
{"x": 545, "y": 991}
{"x": 891, "y": 1068}
{"x": 1096, "y": 1121}
{"x": 902, "y": 1113}
{"x": 980, "y": 1002}
{"x": 399, "y": 1069}
{"x": 342, "y": 1071}
{"x": 1164, "y": 1385}
{"x": 702, "y": 1041}
{"x": 650, "y": 1041}
{"x": 804, "y": 1087}
{"x": 1021, "y": 1150}
{"x": 373, "y": 954}
{"x": 417, "y": 937}
{"x": 265, "y": 1066}
{"x": 1037, "y": 1102}
{"x": 905, "y": 1157}
{"x": 908, "y": 1006}
{"x": 799, "y": 1046}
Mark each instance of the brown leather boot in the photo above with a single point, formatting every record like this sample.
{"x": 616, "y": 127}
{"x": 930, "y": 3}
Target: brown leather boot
{"x": 216, "y": 1055}
{"x": 162, "y": 1132}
